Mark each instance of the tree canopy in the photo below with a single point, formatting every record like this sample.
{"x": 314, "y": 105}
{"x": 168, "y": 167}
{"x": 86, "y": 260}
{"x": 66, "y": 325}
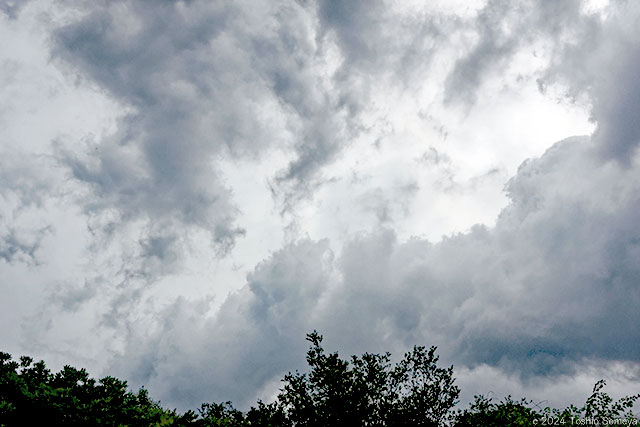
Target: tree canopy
{"x": 368, "y": 391}
{"x": 365, "y": 390}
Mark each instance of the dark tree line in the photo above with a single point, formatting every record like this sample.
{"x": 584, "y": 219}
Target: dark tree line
{"x": 361, "y": 391}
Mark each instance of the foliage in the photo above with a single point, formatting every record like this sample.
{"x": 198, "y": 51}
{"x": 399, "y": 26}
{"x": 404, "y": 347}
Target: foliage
{"x": 599, "y": 409}
{"x": 361, "y": 391}
{"x": 483, "y": 412}
{"x": 368, "y": 392}
{"x": 31, "y": 395}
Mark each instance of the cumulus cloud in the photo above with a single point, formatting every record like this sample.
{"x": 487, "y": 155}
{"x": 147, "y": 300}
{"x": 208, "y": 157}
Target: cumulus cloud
{"x": 553, "y": 286}
{"x": 600, "y": 64}
{"x": 238, "y": 350}
{"x": 198, "y": 83}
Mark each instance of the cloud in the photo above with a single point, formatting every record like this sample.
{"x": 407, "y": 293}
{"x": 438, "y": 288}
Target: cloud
{"x": 212, "y": 80}
{"x": 503, "y": 29}
{"x": 552, "y": 287}
{"x": 367, "y": 33}
{"x": 160, "y": 163}
{"x": 25, "y": 183}
{"x": 600, "y": 64}
{"x": 592, "y": 54}
{"x": 184, "y": 354}
{"x": 12, "y": 7}
{"x": 234, "y": 80}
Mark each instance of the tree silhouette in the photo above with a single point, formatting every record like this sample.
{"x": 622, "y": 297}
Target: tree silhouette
{"x": 368, "y": 391}
{"x": 599, "y": 409}
{"x": 360, "y": 391}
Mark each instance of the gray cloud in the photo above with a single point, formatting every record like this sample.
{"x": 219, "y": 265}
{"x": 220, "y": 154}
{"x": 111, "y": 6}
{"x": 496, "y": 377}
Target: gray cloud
{"x": 21, "y": 245}
{"x": 12, "y": 7}
{"x": 197, "y": 82}
{"x": 233, "y": 354}
{"x": 25, "y": 183}
{"x": 368, "y": 35}
{"x": 594, "y": 56}
{"x": 160, "y": 163}
{"x": 601, "y": 63}
{"x": 203, "y": 81}
{"x": 357, "y": 25}
{"x": 504, "y": 28}
{"x": 389, "y": 208}
{"x": 553, "y": 285}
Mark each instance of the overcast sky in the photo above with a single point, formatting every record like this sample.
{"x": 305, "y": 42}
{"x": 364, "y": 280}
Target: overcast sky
{"x": 187, "y": 188}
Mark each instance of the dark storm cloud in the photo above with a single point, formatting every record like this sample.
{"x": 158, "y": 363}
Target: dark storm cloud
{"x": 554, "y": 284}
{"x": 160, "y": 163}
{"x": 203, "y": 80}
{"x": 197, "y": 82}
{"x": 537, "y": 291}
{"x": 602, "y": 64}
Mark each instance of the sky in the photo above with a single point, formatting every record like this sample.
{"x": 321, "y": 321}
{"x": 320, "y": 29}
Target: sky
{"x": 187, "y": 188}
